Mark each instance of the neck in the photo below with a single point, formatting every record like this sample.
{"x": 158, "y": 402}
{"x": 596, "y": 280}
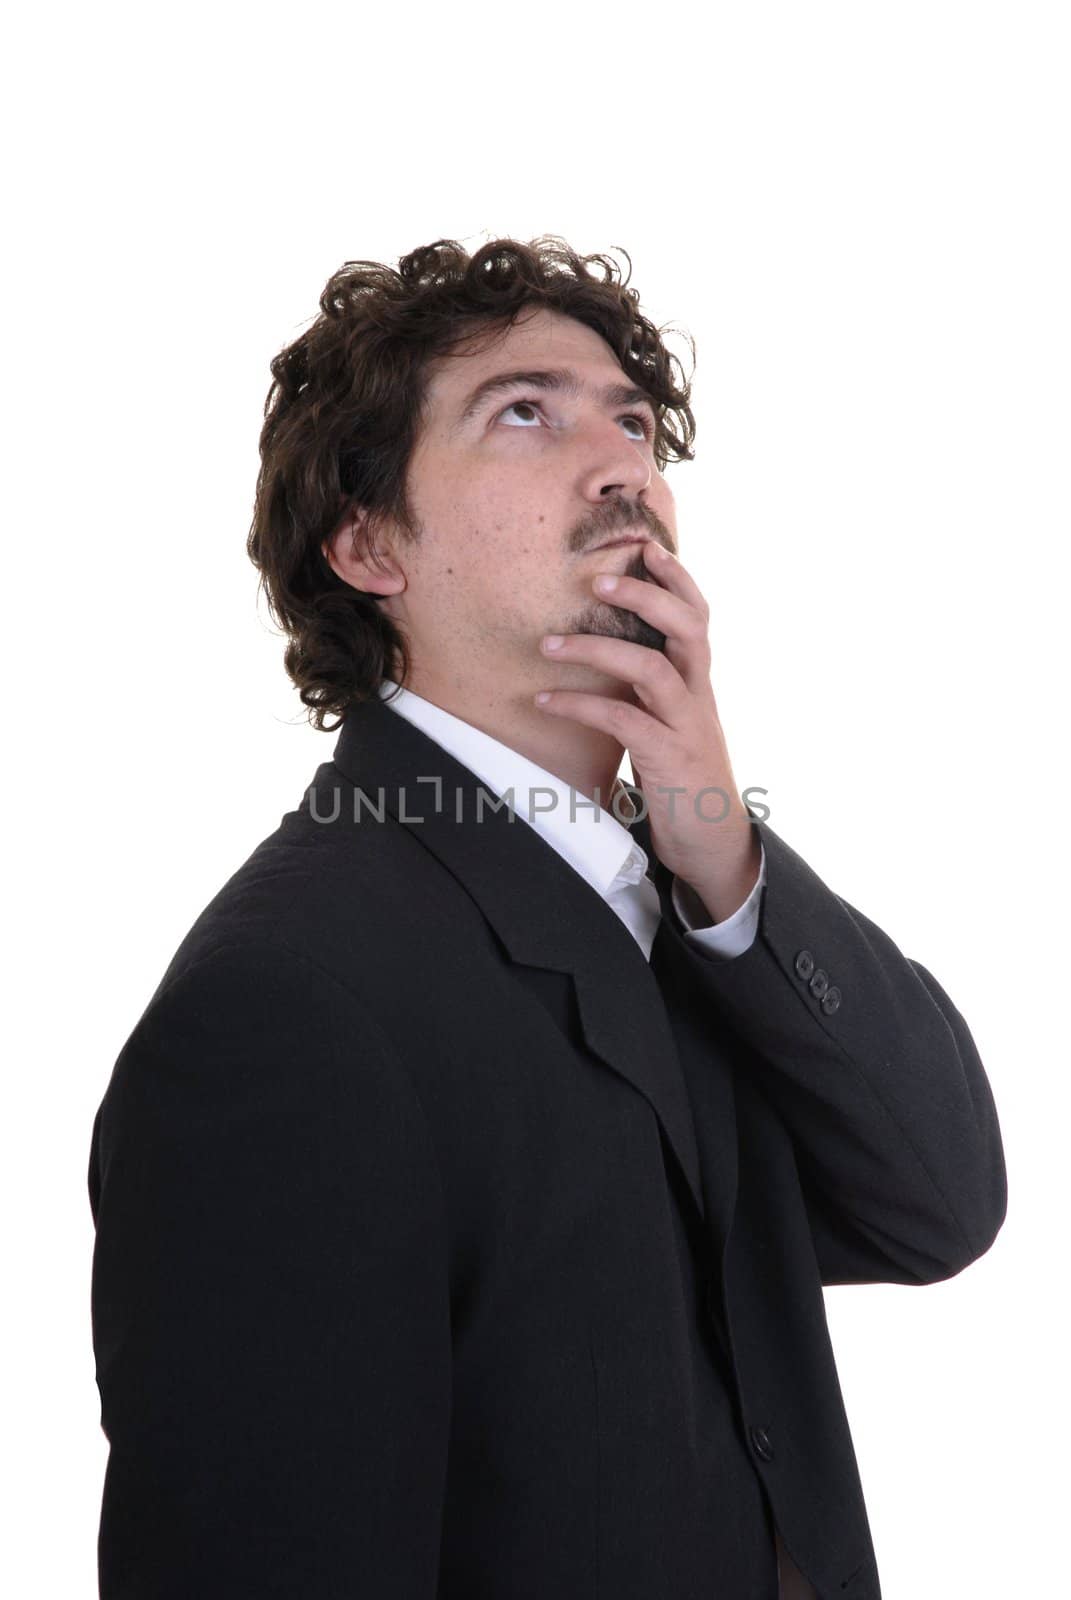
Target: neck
{"x": 579, "y": 756}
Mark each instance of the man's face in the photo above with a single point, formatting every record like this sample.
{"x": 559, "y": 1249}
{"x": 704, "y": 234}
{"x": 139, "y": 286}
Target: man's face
{"x": 512, "y": 502}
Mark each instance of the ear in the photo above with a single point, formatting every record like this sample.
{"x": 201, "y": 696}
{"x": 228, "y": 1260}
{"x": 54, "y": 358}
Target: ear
{"x": 345, "y": 549}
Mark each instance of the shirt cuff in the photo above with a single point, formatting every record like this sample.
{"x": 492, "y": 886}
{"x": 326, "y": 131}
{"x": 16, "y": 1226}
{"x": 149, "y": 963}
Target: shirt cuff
{"x": 720, "y": 940}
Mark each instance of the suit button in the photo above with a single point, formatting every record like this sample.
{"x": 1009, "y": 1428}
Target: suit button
{"x": 760, "y": 1439}
{"x": 819, "y": 983}
{"x": 830, "y": 1000}
{"x": 804, "y": 964}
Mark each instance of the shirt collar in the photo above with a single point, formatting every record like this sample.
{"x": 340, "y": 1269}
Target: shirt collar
{"x": 599, "y": 847}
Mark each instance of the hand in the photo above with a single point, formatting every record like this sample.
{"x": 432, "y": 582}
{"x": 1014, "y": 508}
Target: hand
{"x": 674, "y": 736}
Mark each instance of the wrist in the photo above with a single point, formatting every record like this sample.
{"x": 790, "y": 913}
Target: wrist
{"x": 723, "y": 890}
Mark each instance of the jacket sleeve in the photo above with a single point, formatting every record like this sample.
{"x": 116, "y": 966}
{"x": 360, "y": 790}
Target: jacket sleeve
{"x": 270, "y": 1297}
{"x": 875, "y": 1074}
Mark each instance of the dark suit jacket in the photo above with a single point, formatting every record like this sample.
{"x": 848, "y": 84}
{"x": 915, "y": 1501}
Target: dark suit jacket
{"x": 447, "y": 1247}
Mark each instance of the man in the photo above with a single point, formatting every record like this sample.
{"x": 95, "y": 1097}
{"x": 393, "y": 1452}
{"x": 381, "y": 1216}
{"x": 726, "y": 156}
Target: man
{"x": 465, "y": 1193}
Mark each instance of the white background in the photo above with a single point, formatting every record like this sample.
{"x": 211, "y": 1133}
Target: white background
{"x": 860, "y": 213}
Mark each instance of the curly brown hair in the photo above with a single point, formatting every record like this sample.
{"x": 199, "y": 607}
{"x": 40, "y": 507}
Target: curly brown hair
{"x": 344, "y": 411}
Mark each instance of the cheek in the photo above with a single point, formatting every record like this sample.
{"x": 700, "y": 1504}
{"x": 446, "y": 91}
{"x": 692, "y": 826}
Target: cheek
{"x": 663, "y": 503}
{"x": 514, "y": 597}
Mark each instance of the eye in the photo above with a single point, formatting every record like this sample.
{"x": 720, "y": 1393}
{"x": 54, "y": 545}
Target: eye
{"x": 646, "y": 426}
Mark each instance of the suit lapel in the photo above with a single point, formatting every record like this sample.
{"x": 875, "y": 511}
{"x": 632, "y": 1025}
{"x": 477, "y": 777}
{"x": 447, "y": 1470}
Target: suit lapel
{"x": 704, "y": 1048}
{"x": 705, "y": 1055}
{"x": 544, "y": 913}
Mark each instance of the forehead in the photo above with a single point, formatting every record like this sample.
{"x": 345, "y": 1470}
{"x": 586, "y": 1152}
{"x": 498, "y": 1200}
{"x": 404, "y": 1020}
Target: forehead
{"x": 538, "y": 336}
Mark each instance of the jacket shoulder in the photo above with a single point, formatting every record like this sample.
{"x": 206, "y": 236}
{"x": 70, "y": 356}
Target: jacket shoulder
{"x": 328, "y": 890}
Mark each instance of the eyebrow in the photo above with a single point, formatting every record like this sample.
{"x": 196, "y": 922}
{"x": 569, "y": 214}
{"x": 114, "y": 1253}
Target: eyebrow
{"x": 562, "y": 380}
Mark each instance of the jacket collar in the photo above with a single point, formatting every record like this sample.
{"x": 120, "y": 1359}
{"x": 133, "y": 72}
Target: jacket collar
{"x": 542, "y": 910}
{"x": 591, "y": 838}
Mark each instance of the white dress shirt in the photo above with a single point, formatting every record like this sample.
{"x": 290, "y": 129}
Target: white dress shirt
{"x": 588, "y": 837}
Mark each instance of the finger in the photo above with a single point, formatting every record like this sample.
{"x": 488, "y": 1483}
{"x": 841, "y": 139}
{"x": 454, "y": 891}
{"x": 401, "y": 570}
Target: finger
{"x": 685, "y": 628}
{"x": 632, "y": 727}
{"x": 653, "y": 676}
{"x": 669, "y": 613}
{"x": 671, "y": 571}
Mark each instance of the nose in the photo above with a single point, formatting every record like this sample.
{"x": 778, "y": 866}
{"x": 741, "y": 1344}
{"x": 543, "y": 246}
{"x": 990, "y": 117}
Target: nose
{"x": 634, "y": 481}
{"x": 618, "y": 467}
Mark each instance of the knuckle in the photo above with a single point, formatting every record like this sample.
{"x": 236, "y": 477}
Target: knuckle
{"x": 619, "y": 714}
